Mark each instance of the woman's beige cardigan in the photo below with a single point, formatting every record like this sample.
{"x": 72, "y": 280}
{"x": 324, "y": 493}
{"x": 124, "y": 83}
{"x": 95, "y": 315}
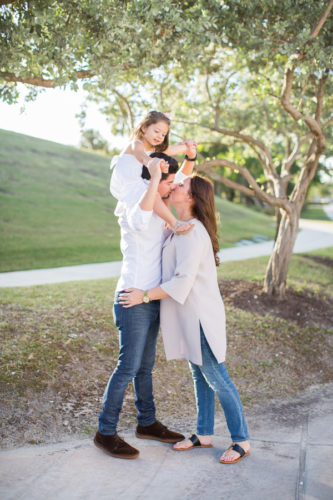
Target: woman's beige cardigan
{"x": 189, "y": 278}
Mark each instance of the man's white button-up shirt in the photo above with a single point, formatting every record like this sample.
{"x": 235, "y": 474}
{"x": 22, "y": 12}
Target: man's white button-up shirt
{"x": 142, "y": 232}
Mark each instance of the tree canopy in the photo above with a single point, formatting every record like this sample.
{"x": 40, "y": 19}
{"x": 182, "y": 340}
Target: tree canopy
{"x": 253, "y": 76}
{"x": 55, "y": 42}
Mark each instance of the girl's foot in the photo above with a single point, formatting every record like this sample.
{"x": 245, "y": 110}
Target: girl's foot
{"x": 232, "y": 455}
{"x": 182, "y": 227}
{"x": 195, "y": 441}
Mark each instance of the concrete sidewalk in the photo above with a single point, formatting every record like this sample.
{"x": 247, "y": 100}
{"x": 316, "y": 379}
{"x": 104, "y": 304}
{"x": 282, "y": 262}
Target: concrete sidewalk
{"x": 291, "y": 458}
{"x": 313, "y": 235}
{"x": 329, "y": 210}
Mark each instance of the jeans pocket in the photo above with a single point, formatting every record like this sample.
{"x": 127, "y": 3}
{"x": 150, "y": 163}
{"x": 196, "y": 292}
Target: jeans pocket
{"x": 117, "y": 310}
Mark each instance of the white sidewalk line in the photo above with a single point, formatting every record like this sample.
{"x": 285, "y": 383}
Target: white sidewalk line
{"x": 313, "y": 235}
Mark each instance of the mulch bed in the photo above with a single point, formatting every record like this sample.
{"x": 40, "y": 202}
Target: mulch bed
{"x": 305, "y": 307}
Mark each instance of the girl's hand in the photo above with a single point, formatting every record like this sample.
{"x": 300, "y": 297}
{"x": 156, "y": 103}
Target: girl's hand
{"x": 155, "y": 167}
{"x": 191, "y": 148}
{"x": 131, "y": 297}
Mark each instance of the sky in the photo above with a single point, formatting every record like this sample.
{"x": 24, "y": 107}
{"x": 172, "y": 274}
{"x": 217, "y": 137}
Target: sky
{"x": 52, "y": 116}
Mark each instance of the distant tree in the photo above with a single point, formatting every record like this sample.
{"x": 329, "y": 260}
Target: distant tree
{"x": 92, "y": 139}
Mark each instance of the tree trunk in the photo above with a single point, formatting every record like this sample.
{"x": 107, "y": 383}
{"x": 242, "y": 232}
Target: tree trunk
{"x": 277, "y": 269}
{"x": 277, "y": 222}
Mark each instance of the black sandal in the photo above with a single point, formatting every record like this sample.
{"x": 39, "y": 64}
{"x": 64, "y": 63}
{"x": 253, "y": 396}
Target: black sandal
{"x": 238, "y": 449}
{"x": 195, "y": 444}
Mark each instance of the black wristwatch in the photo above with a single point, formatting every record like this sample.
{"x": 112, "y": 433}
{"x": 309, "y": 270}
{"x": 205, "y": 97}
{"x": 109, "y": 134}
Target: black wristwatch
{"x": 190, "y": 159}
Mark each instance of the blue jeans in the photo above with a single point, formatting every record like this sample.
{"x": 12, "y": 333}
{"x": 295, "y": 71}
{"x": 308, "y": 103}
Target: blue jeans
{"x": 138, "y": 329}
{"x": 213, "y": 377}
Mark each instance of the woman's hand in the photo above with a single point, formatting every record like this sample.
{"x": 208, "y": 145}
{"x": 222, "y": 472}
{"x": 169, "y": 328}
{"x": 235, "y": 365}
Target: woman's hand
{"x": 131, "y": 297}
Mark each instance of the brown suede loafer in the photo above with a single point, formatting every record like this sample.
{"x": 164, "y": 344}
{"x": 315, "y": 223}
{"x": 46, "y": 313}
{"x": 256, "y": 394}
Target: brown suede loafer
{"x": 158, "y": 432}
{"x": 115, "y": 446}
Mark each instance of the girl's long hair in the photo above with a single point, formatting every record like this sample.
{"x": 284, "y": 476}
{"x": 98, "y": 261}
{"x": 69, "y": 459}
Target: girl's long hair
{"x": 151, "y": 118}
{"x": 202, "y": 192}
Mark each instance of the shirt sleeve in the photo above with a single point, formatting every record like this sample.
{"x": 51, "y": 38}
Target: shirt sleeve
{"x": 138, "y": 219}
{"x": 180, "y": 177}
{"x": 189, "y": 251}
{"x": 126, "y": 184}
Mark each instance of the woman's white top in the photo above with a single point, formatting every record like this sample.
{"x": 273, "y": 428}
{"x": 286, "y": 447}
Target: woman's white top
{"x": 189, "y": 277}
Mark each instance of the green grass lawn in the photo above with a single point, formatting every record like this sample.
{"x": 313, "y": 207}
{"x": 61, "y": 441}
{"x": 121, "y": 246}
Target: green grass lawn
{"x": 55, "y": 205}
{"x": 303, "y": 270}
{"x": 240, "y": 223}
{"x": 313, "y": 211}
{"x": 56, "y": 208}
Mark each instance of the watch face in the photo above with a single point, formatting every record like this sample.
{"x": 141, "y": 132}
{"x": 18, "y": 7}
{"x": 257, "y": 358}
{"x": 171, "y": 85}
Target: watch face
{"x": 146, "y": 299}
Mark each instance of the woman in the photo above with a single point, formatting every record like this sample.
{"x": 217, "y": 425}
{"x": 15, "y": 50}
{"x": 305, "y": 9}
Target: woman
{"x": 192, "y": 315}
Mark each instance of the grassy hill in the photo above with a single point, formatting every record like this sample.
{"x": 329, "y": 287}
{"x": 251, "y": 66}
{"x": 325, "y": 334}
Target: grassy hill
{"x": 56, "y": 210}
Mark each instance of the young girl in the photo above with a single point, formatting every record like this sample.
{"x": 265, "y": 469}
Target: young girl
{"x": 151, "y": 135}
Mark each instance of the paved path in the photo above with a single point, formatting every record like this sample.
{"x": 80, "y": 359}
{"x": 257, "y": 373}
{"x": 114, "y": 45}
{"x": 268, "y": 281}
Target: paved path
{"x": 329, "y": 210}
{"x": 291, "y": 459}
{"x": 313, "y": 235}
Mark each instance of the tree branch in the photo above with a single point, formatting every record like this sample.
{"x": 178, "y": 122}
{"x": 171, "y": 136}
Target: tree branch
{"x": 320, "y": 95}
{"x": 286, "y": 93}
{"x": 229, "y": 183}
{"x": 256, "y": 192}
{"x": 291, "y": 158}
{"x": 268, "y": 162}
{"x": 322, "y": 19}
{"x": 312, "y": 123}
{"x": 207, "y": 87}
{"x": 127, "y": 104}
{"x": 307, "y": 137}
{"x": 300, "y": 104}
{"x": 289, "y": 76}
{"x": 41, "y": 82}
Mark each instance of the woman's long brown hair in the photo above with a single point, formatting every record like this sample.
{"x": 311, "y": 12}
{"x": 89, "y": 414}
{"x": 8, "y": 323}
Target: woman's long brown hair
{"x": 202, "y": 192}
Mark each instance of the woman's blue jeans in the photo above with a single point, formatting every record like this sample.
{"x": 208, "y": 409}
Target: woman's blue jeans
{"x": 138, "y": 329}
{"x": 211, "y": 377}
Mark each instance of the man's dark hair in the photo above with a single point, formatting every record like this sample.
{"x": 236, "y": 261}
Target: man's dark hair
{"x": 173, "y": 166}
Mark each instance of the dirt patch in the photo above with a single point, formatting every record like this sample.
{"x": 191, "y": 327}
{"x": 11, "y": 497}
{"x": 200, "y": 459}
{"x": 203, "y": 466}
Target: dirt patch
{"x": 325, "y": 261}
{"x": 304, "y": 308}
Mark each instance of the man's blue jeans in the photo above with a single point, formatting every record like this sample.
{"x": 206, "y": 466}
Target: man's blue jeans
{"x": 138, "y": 329}
{"x": 213, "y": 377}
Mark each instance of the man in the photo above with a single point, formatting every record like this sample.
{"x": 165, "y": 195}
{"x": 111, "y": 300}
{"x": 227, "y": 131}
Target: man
{"x": 142, "y": 237}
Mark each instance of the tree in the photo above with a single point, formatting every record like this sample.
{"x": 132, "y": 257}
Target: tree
{"x": 92, "y": 139}
{"x": 280, "y": 50}
{"x": 289, "y": 208}
{"x": 292, "y": 54}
